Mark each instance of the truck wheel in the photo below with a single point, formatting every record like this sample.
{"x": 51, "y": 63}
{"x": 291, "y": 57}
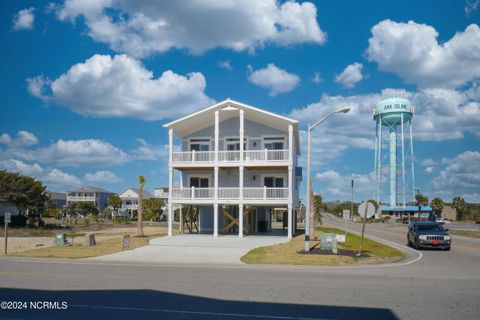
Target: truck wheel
{"x": 416, "y": 245}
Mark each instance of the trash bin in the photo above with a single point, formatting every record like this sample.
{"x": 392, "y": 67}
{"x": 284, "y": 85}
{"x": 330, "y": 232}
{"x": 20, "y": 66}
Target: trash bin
{"x": 262, "y": 226}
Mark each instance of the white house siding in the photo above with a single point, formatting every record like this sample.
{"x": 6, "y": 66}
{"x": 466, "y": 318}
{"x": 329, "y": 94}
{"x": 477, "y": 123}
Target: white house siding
{"x": 229, "y": 128}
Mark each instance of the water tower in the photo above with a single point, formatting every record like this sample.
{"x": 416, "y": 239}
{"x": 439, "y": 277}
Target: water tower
{"x": 394, "y": 170}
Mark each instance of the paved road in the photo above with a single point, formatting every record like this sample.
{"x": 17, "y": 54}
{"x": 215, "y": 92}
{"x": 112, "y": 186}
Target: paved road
{"x": 441, "y": 285}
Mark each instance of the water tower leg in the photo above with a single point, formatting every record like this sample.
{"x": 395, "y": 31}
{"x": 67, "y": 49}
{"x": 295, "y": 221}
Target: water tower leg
{"x": 393, "y": 166}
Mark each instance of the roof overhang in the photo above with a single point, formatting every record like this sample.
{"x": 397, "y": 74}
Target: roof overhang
{"x": 229, "y": 109}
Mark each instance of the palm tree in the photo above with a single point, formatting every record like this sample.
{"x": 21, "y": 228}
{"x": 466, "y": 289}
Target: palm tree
{"x": 115, "y": 202}
{"x": 141, "y": 184}
{"x": 437, "y": 204}
{"x": 459, "y": 204}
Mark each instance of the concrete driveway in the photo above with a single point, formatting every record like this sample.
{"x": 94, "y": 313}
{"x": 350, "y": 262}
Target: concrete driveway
{"x": 194, "y": 249}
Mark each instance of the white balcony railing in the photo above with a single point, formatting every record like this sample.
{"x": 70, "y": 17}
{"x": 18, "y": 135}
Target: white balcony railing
{"x": 265, "y": 193}
{"x": 265, "y": 155}
{"x": 229, "y": 156}
{"x": 249, "y": 156}
{"x": 193, "y": 193}
{"x": 80, "y": 198}
{"x": 193, "y": 156}
{"x": 230, "y": 193}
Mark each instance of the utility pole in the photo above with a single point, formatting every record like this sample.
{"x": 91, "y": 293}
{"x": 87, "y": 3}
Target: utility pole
{"x": 7, "y": 219}
{"x": 351, "y": 204}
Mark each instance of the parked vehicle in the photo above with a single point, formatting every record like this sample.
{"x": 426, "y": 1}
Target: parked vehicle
{"x": 427, "y": 234}
{"x": 440, "y": 221}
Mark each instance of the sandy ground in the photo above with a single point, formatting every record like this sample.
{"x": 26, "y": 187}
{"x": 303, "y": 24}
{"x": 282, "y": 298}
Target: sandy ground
{"x": 18, "y": 244}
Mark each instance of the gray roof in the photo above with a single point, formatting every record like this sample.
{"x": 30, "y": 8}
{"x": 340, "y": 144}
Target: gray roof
{"x": 90, "y": 189}
{"x": 57, "y": 195}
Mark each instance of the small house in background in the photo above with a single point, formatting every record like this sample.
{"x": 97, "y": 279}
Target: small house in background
{"x": 98, "y": 196}
{"x": 130, "y": 200}
{"x": 57, "y": 199}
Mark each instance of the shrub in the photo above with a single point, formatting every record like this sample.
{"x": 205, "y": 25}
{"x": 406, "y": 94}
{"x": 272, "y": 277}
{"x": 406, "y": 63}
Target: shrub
{"x": 51, "y": 213}
{"x": 125, "y": 220}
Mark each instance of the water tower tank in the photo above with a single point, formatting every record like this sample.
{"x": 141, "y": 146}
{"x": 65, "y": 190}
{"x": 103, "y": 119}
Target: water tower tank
{"x": 390, "y": 110}
{"x": 393, "y": 118}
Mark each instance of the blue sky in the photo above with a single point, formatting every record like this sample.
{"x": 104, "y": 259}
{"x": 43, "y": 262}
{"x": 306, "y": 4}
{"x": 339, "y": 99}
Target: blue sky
{"x": 86, "y": 85}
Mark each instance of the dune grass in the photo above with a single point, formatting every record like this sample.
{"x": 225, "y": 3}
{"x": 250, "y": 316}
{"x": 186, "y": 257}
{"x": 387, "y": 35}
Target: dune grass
{"x": 290, "y": 252}
{"x": 78, "y": 250}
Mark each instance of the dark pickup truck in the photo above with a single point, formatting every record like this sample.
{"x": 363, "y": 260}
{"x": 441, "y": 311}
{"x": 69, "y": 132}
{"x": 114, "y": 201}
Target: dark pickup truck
{"x": 428, "y": 234}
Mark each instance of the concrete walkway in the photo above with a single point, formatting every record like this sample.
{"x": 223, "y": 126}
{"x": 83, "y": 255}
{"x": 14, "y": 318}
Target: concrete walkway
{"x": 194, "y": 249}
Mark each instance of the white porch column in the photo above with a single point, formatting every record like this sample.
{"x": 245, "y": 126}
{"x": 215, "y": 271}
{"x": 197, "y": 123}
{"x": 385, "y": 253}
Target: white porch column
{"x": 215, "y": 170}
{"x": 240, "y": 175}
{"x": 181, "y": 220}
{"x": 215, "y": 220}
{"x": 170, "y": 182}
{"x": 290, "y": 180}
{"x": 290, "y": 222}
{"x": 240, "y": 220}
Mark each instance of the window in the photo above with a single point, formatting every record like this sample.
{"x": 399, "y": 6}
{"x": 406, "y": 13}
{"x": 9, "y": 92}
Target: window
{"x": 233, "y": 144}
{"x": 273, "y": 143}
{"x": 199, "y": 144}
{"x": 273, "y": 182}
{"x": 198, "y": 182}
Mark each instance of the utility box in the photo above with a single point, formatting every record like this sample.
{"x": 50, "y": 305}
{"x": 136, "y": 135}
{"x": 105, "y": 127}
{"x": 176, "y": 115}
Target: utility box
{"x": 90, "y": 240}
{"x": 61, "y": 239}
{"x": 328, "y": 242}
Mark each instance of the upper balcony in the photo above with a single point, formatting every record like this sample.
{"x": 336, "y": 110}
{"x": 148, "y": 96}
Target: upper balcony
{"x": 230, "y": 158}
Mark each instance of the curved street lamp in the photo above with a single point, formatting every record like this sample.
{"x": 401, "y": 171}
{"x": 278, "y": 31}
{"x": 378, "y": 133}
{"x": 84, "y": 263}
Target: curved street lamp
{"x": 307, "y": 215}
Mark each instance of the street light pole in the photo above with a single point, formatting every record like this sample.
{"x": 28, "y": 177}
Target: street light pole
{"x": 307, "y": 213}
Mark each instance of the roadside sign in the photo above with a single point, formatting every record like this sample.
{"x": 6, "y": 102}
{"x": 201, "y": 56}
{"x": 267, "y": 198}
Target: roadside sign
{"x": 340, "y": 238}
{"x": 346, "y": 214}
{"x": 126, "y": 241}
{"x": 7, "y": 217}
{"x": 366, "y": 209}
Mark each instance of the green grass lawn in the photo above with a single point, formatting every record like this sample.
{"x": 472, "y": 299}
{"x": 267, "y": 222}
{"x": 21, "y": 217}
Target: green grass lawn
{"x": 288, "y": 253}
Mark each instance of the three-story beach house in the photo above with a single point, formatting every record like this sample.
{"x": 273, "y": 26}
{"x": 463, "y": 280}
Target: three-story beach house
{"x": 235, "y": 165}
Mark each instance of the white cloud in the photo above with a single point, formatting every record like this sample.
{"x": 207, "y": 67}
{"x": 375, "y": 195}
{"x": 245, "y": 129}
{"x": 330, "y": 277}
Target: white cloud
{"x": 429, "y": 170}
{"x": 54, "y": 179}
{"x": 24, "y": 19}
{"x": 57, "y": 177}
{"x": 317, "y": 77}
{"x": 24, "y": 138}
{"x": 471, "y": 6}
{"x": 121, "y": 87}
{"x": 412, "y": 51}
{"x": 102, "y": 177}
{"x": 71, "y": 153}
{"x": 13, "y": 165}
{"x": 149, "y": 152}
{"x": 225, "y": 64}
{"x": 460, "y": 176}
{"x": 351, "y": 75}
{"x": 333, "y": 185}
{"x": 273, "y": 78}
{"x": 428, "y": 162}
{"x": 142, "y": 28}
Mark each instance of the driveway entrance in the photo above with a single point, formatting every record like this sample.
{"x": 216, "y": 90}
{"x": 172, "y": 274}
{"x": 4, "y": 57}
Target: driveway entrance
{"x": 194, "y": 249}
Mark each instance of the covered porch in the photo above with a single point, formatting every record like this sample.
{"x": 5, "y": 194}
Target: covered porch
{"x": 235, "y": 219}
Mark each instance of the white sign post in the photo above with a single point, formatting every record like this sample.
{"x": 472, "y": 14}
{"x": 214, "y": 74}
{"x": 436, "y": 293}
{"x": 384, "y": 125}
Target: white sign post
{"x": 368, "y": 211}
{"x": 7, "y": 220}
{"x": 346, "y": 216}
